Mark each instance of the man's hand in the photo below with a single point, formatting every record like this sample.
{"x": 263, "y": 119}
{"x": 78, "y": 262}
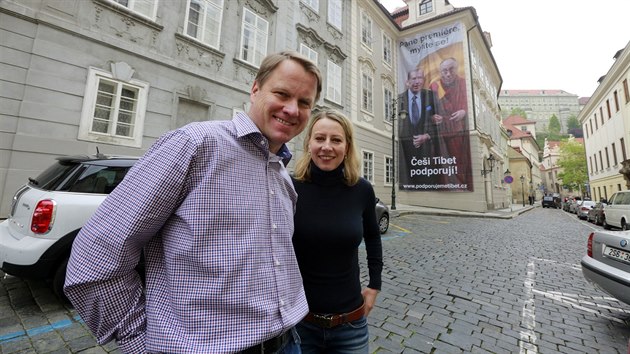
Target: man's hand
{"x": 418, "y": 140}
{"x": 437, "y": 119}
{"x": 457, "y": 116}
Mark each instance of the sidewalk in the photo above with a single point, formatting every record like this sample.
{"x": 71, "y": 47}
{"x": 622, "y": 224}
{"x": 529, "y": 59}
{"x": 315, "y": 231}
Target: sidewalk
{"x": 507, "y": 213}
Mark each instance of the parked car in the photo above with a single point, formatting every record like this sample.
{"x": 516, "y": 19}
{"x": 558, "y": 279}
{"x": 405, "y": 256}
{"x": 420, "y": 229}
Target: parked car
{"x": 607, "y": 263}
{"x": 597, "y": 214}
{"x": 382, "y": 216}
{"x": 47, "y": 213}
{"x": 550, "y": 201}
{"x": 584, "y": 208}
{"x": 618, "y": 211}
{"x": 574, "y": 206}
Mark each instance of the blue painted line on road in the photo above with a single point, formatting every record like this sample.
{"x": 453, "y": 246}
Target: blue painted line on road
{"x": 39, "y": 330}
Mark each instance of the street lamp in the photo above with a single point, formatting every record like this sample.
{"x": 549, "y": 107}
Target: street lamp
{"x": 403, "y": 115}
{"x": 490, "y": 163}
{"x": 522, "y": 178}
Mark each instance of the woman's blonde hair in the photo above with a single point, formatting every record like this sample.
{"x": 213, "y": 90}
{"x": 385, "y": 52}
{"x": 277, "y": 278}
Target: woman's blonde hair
{"x": 351, "y": 160}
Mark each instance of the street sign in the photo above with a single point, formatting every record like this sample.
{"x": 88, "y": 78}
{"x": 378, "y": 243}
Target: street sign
{"x": 508, "y": 179}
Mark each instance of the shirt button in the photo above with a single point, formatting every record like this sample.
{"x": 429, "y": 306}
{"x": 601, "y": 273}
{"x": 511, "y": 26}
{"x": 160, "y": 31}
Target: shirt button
{"x": 281, "y": 302}
{"x": 273, "y": 193}
{"x": 274, "y": 226}
{"x": 262, "y": 142}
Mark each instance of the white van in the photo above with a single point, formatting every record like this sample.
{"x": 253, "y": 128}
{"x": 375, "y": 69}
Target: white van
{"x": 618, "y": 211}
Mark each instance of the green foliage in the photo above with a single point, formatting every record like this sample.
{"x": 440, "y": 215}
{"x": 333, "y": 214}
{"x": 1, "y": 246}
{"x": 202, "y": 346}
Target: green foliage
{"x": 573, "y": 123}
{"x": 573, "y": 162}
{"x": 554, "y": 127}
{"x": 517, "y": 111}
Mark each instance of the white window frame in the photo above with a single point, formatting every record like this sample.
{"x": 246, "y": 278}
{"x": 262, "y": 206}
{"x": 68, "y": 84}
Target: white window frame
{"x": 387, "y": 49}
{"x": 335, "y": 13}
{"x": 388, "y": 170}
{"x": 260, "y": 38}
{"x": 202, "y": 26}
{"x": 135, "y": 6}
{"x": 333, "y": 82}
{"x": 312, "y": 4}
{"x": 95, "y": 76}
{"x": 308, "y": 52}
{"x": 367, "y": 91}
{"x": 367, "y": 163}
{"x": 366, "y": 29}
{"x": 425, "y": 7}
{"x": 388, "y": 103}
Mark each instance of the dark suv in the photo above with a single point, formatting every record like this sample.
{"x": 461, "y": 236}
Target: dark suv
{"x": 48, "y": 212}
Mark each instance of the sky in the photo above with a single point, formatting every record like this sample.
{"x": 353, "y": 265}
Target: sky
{"x": 551, "y": 44}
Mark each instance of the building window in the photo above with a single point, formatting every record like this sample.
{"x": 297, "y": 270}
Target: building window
{"x": 333, "y": 82}
{"x": 113, "y": 110}
{"x": 368, "y": 166}
{"x": 601, "y": 112}
{"x": 203, "y": 21}
{"x": 591, "y": 123}
{"x": 366, "y": 91}
{"x": 614, "y": 151}
{"x": 389, "y": 170}
{"x": 586, "y": 130}
{"x": 308, "y": 52}
{"x": 616, "y": 101}
{"x": 626, "y": 91}
{"x": 313, "y": 4}
{"x": 335, "y": 13}
{"x": 622, "y": 145}
{"x": 596, "y": 121}
{"x": 426, "y": 6}
{"x": 387, "y": 49}
{"x": 366, "y": 29}
{"x": 607, "y": 157}
{"x": 147, "y": 8}
{"x": 601, "y": 161}
{"x": 608, "y": 108}
{"x": 388, "y": 104}
{"x": 254, "y": 35}
{"x": 595, "y": 162}
{"x": 590, "y": 161}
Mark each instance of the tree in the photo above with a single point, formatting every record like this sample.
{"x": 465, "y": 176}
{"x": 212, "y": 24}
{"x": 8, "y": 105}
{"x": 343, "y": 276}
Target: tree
{"x": 554, "y": 128}
{"x": 573, "y": 123}
{"x": 573, "y": 164}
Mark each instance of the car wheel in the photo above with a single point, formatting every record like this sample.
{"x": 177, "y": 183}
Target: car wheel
{"x": 383, "y": 223}
{"x": 59, "y": 279}
{"x": 624, "y": 226}
{"x": 597, "y": 222}
{"x": 605, "y": 224}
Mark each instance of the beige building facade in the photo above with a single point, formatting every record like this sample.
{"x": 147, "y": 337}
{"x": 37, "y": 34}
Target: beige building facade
{"x": 605, "y": 121}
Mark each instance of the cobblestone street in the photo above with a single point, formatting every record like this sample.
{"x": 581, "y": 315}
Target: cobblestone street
{"x": 451, "y": 285}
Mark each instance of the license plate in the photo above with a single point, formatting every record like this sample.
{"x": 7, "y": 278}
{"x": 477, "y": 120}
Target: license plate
{"x": 622, "y": 256}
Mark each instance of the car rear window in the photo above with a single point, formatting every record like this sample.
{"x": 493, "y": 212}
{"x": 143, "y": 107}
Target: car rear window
{"x": 99, "y": 179}
{"x": 54, "y": 176}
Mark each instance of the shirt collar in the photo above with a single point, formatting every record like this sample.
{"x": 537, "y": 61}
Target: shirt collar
{"x": 245, "y": 126}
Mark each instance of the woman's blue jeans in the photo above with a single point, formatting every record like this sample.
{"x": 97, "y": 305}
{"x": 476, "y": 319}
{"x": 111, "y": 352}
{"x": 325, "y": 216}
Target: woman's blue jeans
{"x": 348, "y": 338}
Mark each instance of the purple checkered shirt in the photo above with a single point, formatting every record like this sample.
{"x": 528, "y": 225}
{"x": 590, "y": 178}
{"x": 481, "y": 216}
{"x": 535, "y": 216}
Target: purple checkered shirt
{"x": 213, "y": 211}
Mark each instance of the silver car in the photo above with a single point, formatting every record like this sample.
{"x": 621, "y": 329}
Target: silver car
{"x": 584, "y": 208}
{"x": 607, "y": 262}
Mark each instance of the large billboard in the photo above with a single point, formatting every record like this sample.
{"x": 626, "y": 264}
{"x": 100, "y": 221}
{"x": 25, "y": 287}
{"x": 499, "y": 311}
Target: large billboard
{"x": 433, "y": 138}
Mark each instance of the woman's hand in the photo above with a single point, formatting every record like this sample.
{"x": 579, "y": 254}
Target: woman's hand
{"x": 369, "y": 298}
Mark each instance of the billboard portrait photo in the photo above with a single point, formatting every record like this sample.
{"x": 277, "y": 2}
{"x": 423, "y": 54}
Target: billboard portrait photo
{"x": 434, "y": 139}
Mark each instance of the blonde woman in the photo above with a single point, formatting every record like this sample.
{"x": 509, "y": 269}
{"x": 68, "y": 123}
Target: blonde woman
{"x": 334, "y": 214}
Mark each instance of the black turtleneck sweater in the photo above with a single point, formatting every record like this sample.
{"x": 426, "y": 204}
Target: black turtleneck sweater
{"x": 331, "y": 220}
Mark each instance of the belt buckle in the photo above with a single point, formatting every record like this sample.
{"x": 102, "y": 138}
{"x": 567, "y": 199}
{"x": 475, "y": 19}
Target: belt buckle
{"x": 325, "y": 321}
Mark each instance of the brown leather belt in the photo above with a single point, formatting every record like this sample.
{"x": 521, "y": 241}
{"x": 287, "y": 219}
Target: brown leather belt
{"x": 330, "y": 321}
{"x": 272, "y": 345}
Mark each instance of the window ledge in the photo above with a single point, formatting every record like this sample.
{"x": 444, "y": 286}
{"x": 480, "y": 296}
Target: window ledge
{"x": 127, "y": 12}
